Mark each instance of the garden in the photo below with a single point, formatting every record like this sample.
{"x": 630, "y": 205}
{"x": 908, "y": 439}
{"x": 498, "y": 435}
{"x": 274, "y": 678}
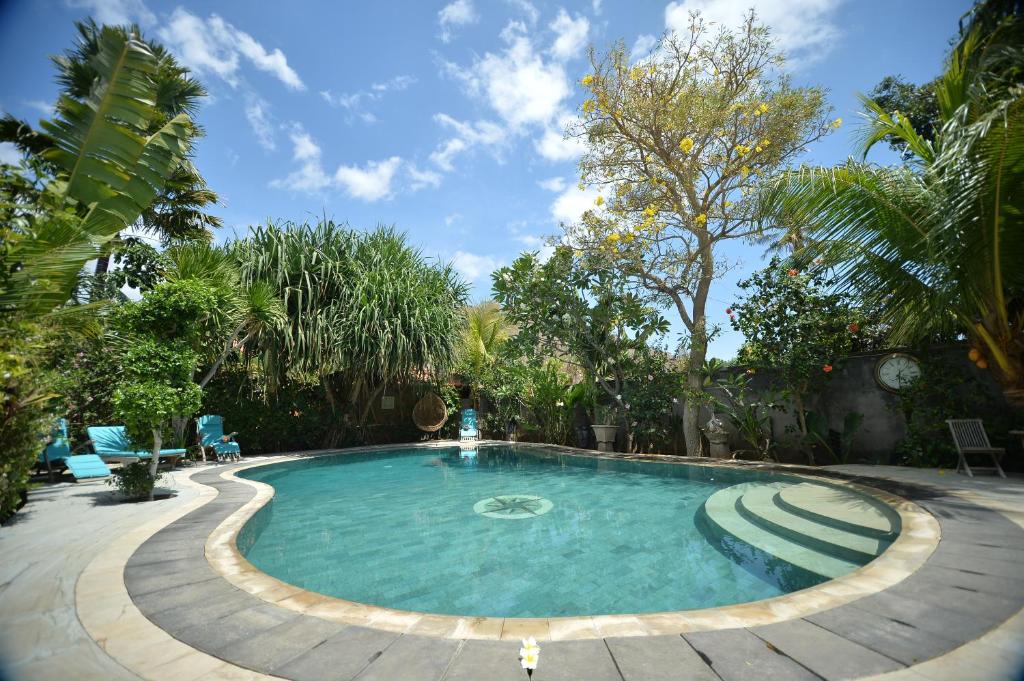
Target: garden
{"x": 295, "y": 332}
{"x": 310, "y": 449}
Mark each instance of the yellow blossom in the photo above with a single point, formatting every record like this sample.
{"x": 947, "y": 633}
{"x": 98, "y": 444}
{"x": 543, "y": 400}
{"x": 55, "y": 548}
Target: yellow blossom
{"x": 764, "y": 108}
{"x": 578, "y": 254}
{"x": 742, "y": 149}
{"x": 759, "y": 149}
{"x": 837, "y": 122}
{"x": 587, "y": 79}
{"x": 588, "y": 106}
{"x": 627, "y": 237}
{"x": 728, "y": 203}
{"x": 701, "y": 219}
{"x": 580, "y": 186}
{"x": 745, "y": 170}
{"x": 686, "y": 144}
{"x": 613, "y": 237}
{"x": 599, "y": 200}
{"x": 765, "y": 143}
{"x": 636, "y": 73}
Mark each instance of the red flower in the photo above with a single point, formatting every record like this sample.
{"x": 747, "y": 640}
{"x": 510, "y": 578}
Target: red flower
{"x": 732, "y": 317}
{"x": 827, "y": 368}
{"x": 728, "y": 310}
{"x": 792, "y": 272}
{"x": 854, "y": 327}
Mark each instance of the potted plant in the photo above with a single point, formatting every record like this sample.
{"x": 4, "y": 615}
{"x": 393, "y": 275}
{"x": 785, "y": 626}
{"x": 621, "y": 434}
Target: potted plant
{"x": 605, "y": 428}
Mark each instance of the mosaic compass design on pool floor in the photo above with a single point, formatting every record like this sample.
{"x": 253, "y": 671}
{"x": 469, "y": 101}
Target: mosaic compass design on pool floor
{"x": 513, "y": 506}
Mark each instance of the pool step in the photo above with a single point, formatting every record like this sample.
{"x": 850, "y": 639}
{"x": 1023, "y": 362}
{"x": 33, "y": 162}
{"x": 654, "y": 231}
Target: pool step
{"x": 760, "y": 506}
{"x": 756, "y": 514}
{"x": 840, "y": 509}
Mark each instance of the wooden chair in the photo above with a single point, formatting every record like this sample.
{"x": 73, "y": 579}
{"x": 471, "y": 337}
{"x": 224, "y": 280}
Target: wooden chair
{"x": 970, "y": 437}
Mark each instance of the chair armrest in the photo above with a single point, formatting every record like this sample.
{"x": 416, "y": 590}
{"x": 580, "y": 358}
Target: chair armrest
{"x": 983, "y": 450}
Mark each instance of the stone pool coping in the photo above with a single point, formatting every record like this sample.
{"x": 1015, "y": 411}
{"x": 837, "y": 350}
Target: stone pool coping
{"x": 917, "y": 540}
{"x": 153, "y": 601}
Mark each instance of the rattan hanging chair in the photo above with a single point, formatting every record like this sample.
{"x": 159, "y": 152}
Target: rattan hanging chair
{"x": 430, "y": 413}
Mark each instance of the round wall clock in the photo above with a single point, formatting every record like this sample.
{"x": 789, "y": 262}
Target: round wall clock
{"x": 897, "y": 370}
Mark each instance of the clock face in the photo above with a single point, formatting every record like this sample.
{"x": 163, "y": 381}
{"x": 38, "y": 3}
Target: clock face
{"x": 897, "y": 371}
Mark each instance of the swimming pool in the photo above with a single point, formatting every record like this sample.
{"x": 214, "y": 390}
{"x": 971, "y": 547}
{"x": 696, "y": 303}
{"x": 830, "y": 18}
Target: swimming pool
{"x": 524, "y": 531}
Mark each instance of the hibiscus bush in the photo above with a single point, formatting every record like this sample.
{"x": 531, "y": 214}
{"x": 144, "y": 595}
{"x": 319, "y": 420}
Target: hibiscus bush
{"x": 793, "y": 322}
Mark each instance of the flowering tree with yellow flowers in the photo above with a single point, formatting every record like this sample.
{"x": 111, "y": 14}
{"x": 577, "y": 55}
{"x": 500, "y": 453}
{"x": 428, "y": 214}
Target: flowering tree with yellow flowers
{"x": 677, "y": 144}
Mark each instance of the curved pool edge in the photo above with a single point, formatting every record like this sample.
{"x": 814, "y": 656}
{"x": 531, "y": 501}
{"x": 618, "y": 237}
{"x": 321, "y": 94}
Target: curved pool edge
{"x": 919, "y": 537}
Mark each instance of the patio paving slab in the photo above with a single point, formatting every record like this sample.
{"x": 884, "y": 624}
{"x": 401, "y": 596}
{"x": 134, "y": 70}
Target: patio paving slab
{"x": 341, "y": 657}
{"x": 658, "y": 658}
{"x": 739, "y": 655}
{"x": 805, "y": 642}
{"x": 487, "y": 661}
{"x": 412, "y": 657}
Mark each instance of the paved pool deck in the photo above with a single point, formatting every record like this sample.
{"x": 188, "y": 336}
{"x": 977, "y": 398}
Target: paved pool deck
{"x": 91, "y": 589}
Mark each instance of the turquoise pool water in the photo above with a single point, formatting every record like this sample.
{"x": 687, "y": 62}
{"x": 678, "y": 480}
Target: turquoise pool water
{"x": 508, "y": 532}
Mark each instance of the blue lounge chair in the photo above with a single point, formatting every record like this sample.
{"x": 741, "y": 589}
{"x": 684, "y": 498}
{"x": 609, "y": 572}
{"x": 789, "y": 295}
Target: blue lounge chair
{"x": 111, "y": 443}
{"x": 211, "y": 433}
{"x": 86, "y": 466}
{"x": 57, "y": 450}
{"x": 469, "y": 430}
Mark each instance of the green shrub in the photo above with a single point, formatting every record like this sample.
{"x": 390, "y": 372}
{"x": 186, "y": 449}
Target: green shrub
{"x": 24, "y": 412}
{"x": 133, "y": 480}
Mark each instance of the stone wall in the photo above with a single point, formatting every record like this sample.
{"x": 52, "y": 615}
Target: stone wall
{"x": 853, "y": 388}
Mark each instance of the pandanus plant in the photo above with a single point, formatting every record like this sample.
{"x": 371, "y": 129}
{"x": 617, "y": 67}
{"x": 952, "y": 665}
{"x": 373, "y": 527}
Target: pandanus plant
{"x": 936, "y": 245}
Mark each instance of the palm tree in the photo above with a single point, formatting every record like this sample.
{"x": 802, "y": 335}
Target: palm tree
{"x": 935, "y": 245}
{"x": 177, "y": 213}
{"x": 364, "y": 310}
{"x": 486, "y": 330}
{"x": 104, "y": 173}
{"x": 244, "y": 313}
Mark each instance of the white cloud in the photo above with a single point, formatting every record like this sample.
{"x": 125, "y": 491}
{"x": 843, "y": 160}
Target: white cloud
{"x": 474, "y": 267}
{"x": 371, "y": 182}
{"x": 571, "y": 35}
{"x": 466, "y": 137}
{"x": 422, "y": 178}
{"x": 449, "y": 220}
{"x": 555, "y": 145}
{"x": 458, "y": 13}
{"x": 310, "y": 177}
{"x": 527, "y": 8}
{"x": 9, "y": 154}
{"x": 116, "y": 11}
{"x": 572, "y": 203}
{"x": 642, "y": 47}
{"x": 356, "y": 103}
{"x": 526, "y": 87}
{"x": 804, "y": 29}
{"x": 256, "y": 112}
{"x": 44, "y": 108}
{"x": 553, "y": 184}
{"x": 214, "y": 46}
{"x": 596, "y": 6}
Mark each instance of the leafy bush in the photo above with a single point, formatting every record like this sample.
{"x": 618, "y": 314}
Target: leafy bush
{"x": 133, "y": 480}
{"x": 23, "y": 413}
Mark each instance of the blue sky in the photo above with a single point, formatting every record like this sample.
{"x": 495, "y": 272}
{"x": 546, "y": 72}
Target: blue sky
{"x": 446, "y": 119}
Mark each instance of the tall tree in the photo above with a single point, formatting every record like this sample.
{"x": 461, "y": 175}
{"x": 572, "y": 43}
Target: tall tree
{"x": 935, "y": 245}
{"x": 364, "y": 310}
{"x": 485, "y": 332}
{"x": 677, "y": 145}
{"x": 178, "y": 212}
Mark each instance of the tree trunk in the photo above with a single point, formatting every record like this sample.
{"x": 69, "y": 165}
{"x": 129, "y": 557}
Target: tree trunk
{"x": 155, "y": 463}
{"x": 801, "y": 418}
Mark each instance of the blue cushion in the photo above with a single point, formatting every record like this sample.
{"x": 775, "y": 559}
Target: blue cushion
{"x": 110, "y": 441}
{"x": 227, "y": 447}
{"x": 87, "y": 466}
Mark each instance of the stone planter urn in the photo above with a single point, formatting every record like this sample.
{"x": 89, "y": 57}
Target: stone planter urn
{"x": 718, "y": 436}
{"x": 605, "y": 437}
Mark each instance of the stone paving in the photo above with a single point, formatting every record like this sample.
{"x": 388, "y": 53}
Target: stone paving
{"x": 972, "y": 583}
